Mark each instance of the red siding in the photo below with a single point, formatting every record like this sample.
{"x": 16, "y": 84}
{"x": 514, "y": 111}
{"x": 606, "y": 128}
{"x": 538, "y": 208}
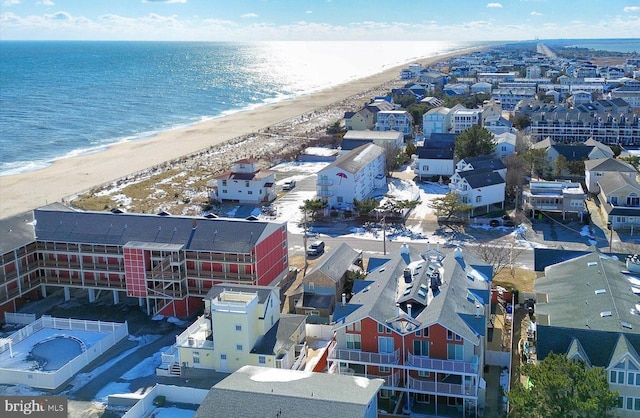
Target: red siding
{"x": 271, "y": 255}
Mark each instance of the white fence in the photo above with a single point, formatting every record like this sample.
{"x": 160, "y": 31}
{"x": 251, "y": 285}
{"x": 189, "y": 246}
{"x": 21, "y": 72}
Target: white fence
{"x": 19, "y": 318}
{"x": 54, "y": 379}
{"x": 174, "y": 394}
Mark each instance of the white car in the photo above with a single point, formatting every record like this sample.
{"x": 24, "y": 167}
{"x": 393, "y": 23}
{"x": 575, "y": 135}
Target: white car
{"x": 289, "y": 185}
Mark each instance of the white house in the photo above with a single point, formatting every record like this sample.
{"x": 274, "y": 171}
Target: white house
{"x": 245, "y": 182}
{"x": 505, "y": 144}
{"x": 354, "y": 175}
{"x": 395, "y": 120}
{"x": 436, "y": 120}
{"x": 432, "y": 162}
{"x": 579, "y": 97}
{"x": 463, "y": 119}
{"x": 478, "y": 189}
{"x": 497, "y": 125}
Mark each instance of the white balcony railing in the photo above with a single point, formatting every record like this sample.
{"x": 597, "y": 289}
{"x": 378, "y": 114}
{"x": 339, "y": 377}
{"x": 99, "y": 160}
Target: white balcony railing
{"x": 435, "y": 387}
{"x": 363, "y": 356}
{"x": 452, "y": 366}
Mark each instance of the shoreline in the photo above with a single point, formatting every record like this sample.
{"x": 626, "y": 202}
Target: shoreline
{"x": 71, "y": 176}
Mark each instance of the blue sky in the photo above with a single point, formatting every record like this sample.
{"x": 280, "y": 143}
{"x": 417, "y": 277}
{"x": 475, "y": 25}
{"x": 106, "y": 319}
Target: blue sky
{"x": 250, "y": 20}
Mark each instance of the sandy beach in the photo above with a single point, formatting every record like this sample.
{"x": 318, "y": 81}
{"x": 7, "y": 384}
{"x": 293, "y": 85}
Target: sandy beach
{"x": 68, "y": 177}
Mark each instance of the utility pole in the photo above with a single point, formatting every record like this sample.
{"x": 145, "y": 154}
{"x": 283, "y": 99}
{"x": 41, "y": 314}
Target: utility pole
{"x": 304, "y": 242}
{"x": 384, "y": 235}
{"x": 610, "y": 226}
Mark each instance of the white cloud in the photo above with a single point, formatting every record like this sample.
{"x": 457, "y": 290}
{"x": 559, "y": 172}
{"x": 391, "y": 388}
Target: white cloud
{"x": 249, "y": 16}
{"x": 494, "y": 5}
{"x": 308, "y": 12}
{"x": 630, "y": 9}
{"x": 46, "y": 3}
{"x": 59, "y": 16}
{"x": 536, "y": 14}
{"x": 11, "y": 2}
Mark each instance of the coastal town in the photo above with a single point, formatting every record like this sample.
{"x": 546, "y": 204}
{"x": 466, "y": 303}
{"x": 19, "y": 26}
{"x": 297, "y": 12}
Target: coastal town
{"x": 424, "y": 248}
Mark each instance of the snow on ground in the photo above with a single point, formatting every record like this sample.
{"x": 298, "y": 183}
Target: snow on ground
{"x": 146, "y": 367}
{"x": 299, "y": 167}
{"x": 173, "y": 412}
{"x": 428, "y": 192}
{"x": 23, "y": 348}
{"x": 82, "y": 379}
{"x": 112, "y": 389}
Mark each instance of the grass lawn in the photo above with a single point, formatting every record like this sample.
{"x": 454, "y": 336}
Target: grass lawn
{"x": 522, "y": 280}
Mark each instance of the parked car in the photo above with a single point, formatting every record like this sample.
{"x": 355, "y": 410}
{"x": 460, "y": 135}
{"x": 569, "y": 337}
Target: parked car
{"x": 289, "y": 185}
{"x": 315, "y": 248}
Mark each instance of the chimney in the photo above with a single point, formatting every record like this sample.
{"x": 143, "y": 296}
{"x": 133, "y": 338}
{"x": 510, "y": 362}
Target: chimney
{"x": 409, "y": 309}
{"x": 478, "y": 310}
{"x": 344, "y": 299}
{"x": 457, "y": 253}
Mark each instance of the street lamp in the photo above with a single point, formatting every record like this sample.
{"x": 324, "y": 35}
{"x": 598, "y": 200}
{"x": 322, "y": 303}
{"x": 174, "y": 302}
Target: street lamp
{"x": 610, "y": 228}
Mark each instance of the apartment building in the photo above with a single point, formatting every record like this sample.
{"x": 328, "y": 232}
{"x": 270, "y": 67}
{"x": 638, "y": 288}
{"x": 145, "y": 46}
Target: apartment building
{"x": 245, "y": 182}
{"x": 167, "y": 262}
{"x": 419, "y": 322}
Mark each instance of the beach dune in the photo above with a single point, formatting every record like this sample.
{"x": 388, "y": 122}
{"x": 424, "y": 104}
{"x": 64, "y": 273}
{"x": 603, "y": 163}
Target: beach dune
{"x": 67, "y": 177}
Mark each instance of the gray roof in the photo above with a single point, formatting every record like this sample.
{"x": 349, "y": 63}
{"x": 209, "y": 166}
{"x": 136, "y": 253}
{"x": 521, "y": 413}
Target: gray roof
{"x": 590, "y": 305}
{"x": 279, "y": 336}
{"x": 609, "y": 164}
{"x": 485, "y": 162}
{"x": 574, "y": 300}
{"x": 219, "y": 234}
{"x": 266, "y": 392}
{"x": 335, "y": 263}
{"x": 17, "y": 231}
{"x": 464, "y": 282}
{"x": 481, "y": 179}
{"x": 613, "y": 181}
{"x": 358, "y": 158}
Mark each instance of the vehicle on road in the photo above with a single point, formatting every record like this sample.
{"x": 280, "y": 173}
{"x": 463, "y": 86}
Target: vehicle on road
{"x": 289, "y": 185}
{"x": 315, "y": 248}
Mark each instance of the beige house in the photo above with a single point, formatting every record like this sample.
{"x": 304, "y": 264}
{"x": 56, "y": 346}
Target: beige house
{"x": 324, "y": 284}
{"x": 358, "y": 121}
{"x": 554, "y": 196}
{"x": 595, "y": 170}
{"x": 619, "y": 200}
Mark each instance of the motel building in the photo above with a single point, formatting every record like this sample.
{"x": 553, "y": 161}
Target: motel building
{"x": 168, "y": 262}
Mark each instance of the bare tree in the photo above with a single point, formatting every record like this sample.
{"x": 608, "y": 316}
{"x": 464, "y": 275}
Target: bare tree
{"x": 498, "y": 255}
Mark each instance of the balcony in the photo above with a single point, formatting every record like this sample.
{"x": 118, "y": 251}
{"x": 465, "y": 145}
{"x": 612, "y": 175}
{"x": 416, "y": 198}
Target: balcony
{"x": 437, "y": 365}
{"x": 324, "y": 182}
{"x": 390, "y": 380}
{"x": 324, "y": 193}
{"x": 431, "y": 386}
{"x": 358, "y": 356}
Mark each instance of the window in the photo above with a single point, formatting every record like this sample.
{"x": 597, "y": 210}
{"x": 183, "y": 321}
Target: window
{"x": 224, "y": 182}
{"x": 262, "y": 360}
{"x": 385, "y": 345}
{"x": 633, "y": 200}
{"x": 384, "y": 369}
{"x": 239, "y": 347}
{"x": 455, "y": 351}
{"x": 450, "y": 335}
{"x": 246, "y": 183}
{"x": 421, "y": 348}
{"x": 224, "y": 190}
{"x": 616, "y": 377}
{"x": 425, "y": 168}
{"x": 196, "y": 357}
{"x": 223, "y": 356}
{"x": 249, "y": 192}
{"x": 423, "y": 373}
{"x": 238, "y": 327}
{"x": 353, "y": 341}
{"x": 380, "y": 328}
{"x": 478, "y": 199}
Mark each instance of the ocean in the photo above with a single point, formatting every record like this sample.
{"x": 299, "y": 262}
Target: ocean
{"x": 613, "y": 45}
{"x": 62, "y": 99}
